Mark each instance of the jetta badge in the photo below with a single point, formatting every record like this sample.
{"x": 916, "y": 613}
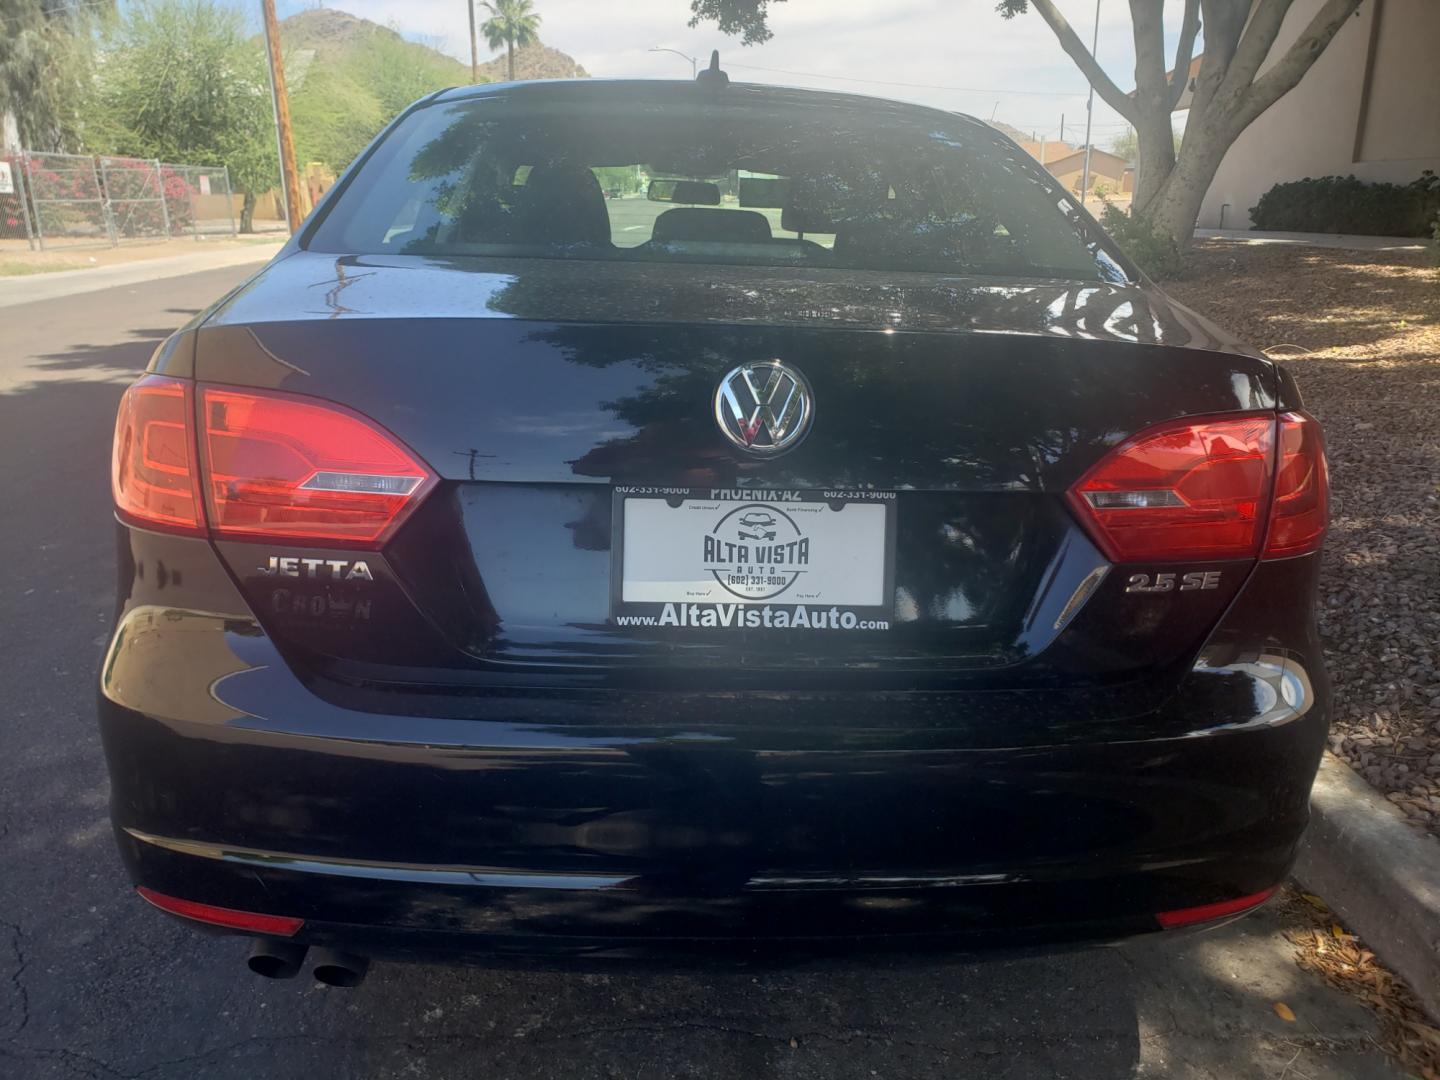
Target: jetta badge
{"x": 764, "y": 408}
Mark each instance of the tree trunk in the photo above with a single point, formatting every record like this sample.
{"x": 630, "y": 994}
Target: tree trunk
{"x": 1154, "y": 157}
{"x": 1155, "y": 148}
{"x": 1176, "y": 205}
{"x": 1225, "y": 104}
{"x": 247, "y": 213}
{"x": 510, "y": 60}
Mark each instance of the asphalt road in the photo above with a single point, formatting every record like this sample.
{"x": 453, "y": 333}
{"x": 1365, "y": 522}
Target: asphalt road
{"x": 93, "y": 983}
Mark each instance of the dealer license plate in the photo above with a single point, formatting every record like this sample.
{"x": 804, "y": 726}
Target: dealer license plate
{"x": 703, "y": 558}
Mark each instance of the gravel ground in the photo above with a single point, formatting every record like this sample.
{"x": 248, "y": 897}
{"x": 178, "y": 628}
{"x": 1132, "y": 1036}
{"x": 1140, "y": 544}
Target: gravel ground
{"x": 1361, "y": 333}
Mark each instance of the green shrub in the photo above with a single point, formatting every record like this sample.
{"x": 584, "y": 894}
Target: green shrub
{"x": 1343, "y": 204}
{"x": 1153, "y": 251}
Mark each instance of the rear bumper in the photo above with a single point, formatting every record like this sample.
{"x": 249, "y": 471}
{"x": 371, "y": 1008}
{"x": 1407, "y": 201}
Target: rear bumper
{"x": 606, "y": 825}
{"x": 535, "y": 845}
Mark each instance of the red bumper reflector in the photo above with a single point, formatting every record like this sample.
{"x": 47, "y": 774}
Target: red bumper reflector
{"x": 1169, "y": 920}
{"x": 277, "y": 925}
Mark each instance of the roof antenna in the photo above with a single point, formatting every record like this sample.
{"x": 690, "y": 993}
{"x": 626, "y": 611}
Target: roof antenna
{"x": 712, "y": 78}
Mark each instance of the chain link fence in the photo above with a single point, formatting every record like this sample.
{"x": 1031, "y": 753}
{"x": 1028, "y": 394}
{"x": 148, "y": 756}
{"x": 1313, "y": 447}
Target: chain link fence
{"x": 135, "y": 198}
{"x": 57, "y": 200}
{"x": 14, "y": 205}
{"x": 199, "y": 200}
{"x": 66, "y": 198}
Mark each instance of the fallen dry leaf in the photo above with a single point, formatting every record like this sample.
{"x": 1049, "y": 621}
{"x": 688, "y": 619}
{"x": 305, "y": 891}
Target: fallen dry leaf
{"x": 1351, "y": 968}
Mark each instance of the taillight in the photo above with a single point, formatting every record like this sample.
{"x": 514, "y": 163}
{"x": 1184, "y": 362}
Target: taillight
{"x": 1300, "y": 511}
{"x": 152, "y": 468}
{"x": 1182, "y": 492}
{"x": 292, "y": 468}
{"x": 272, "y": 465}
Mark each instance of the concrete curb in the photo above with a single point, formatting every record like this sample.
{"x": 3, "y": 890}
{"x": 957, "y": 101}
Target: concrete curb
{"x": 51, "y": 286}
{"x": 1325, "y": 240}
{"x": 1379, "y": 874}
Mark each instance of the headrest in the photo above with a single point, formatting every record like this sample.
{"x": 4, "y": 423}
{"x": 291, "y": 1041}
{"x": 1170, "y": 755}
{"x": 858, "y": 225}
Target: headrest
{"x": 563, "y": 204}
{"x": 696, "y": 223}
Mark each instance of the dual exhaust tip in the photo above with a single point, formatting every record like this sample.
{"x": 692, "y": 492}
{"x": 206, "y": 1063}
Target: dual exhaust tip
{"x": 277, "y": 959}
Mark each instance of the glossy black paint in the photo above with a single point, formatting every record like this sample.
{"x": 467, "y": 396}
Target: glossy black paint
{"x": 459, "y": 754}
{"x": 616, "y": 823}
{"x": 531, "y": 422}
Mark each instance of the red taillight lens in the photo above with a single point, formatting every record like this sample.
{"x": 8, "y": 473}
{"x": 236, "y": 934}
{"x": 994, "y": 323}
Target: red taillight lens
{"x": 297, "y": 469}
{"x": 1300, "y": 511}
{"x": 1184, "y": 491}
{"x": 277, "y": 925}
{"x": 1171, "y": 920}
{"x": 152, "y": 468}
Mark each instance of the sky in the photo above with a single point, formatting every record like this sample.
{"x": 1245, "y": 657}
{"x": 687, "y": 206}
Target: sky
{"x": 953, "y": 54}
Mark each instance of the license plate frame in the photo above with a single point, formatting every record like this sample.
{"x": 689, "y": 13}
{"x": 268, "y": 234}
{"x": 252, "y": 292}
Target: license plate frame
{"x": 837, "y": 585}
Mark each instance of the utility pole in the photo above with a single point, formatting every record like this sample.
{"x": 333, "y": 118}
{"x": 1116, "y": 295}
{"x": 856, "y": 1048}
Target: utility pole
{"x": 474, "y": 49}
{"x": 1090, "y": 110}
{"x": 280, "y": 101}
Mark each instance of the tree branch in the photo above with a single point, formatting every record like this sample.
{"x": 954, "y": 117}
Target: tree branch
{"x": 1223, "y": 19}
{"x": 1147, "y": 19}
{"x": 1184, "y": 52}
{"x": 1255, "y": 43}
{"x": 1291, "y": 68}
{"x": 1111, "y": 94}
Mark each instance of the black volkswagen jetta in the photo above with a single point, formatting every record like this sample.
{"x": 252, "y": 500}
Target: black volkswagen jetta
{"x": 446, "y": 629}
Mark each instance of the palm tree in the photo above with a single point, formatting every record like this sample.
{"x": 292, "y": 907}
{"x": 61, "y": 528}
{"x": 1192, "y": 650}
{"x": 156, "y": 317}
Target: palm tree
{"x": 511, "y": 23}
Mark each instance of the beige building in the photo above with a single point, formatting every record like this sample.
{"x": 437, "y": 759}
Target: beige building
{"x": 1109, "y": 173}
{"x": 1046, "y": 150}
{"x": 1370, "y": 106}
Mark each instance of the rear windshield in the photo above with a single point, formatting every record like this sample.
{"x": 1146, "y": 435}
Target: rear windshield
{"x": 707, "y": 181}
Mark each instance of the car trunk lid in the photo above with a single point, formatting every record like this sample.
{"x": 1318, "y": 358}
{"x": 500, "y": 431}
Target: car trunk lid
{"x": 552, "y": 398}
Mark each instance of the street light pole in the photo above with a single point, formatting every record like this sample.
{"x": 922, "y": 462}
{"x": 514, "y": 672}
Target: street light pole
{"x": 1090, "y": 110}
{"x": 280, "y": 101}
{"x": 677, "y": 52}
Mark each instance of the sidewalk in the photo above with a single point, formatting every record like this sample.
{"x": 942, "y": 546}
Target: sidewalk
{"x": 25, "y": 290}
{"x": 1329, "y": 240}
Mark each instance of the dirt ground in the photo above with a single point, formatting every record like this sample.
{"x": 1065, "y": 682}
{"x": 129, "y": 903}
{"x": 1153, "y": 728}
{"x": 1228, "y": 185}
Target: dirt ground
{"x": 1360, "y": 330}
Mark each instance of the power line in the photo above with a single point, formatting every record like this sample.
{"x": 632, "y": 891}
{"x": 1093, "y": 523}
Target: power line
{"x": 913, "y": 86}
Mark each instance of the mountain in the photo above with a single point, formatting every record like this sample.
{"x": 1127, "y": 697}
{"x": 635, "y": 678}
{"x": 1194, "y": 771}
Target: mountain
{"x": 336, "y": 35}
{"x": 538, "y": 61}
{"x": 348, "y": 77}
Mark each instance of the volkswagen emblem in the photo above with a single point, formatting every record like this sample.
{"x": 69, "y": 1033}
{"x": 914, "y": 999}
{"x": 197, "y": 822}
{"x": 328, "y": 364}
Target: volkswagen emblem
{"x": 764, "y": 408}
